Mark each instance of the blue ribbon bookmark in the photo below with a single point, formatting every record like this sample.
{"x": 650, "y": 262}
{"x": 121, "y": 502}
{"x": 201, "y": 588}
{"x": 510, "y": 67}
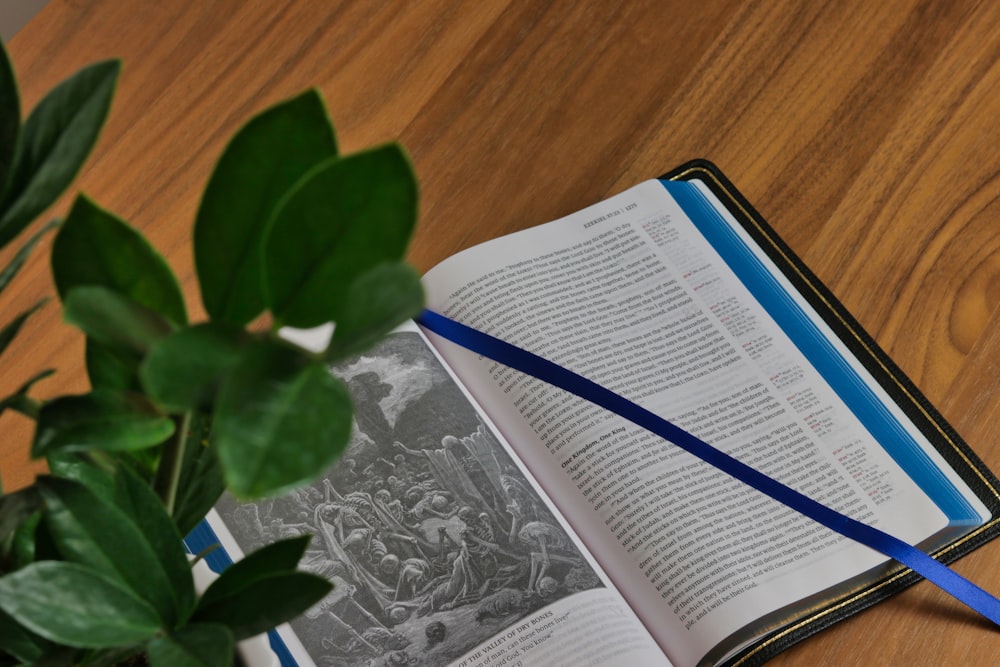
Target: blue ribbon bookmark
{"x": 547, "y": 371}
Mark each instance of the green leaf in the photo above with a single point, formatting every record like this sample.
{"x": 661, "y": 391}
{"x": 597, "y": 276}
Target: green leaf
{"x": 83, "y": 469}
{"x": 45, "y": 545}
{"x": 103, "y": 419}
{"x": 109, "y": 657}
{"x": 108, "y": 368}
{"x": 136, "y": 498}
{"x": 54, "y": 142}
{"x": 22, "y": 255}
{"x": 19, "y": 399}
{"x": 194, "y": 502}
{"x": 10, "y": 119}
{"x": 198, "y": 645}
{"x": 94, "y": 247}
{"x": 201, "y": 481}
{"x": 15, "y": 510}
{"x": 265, "y": 158}
{"x": 19, "y": 642}
{"x": 60, "y": 656}
{"x": 114, "y": 320}
{"x": 20, "y": 403}
{"x": 96, "y": 533}
{"x": 377, "y": 302}
{"x": 143, "y": 462}
{"x": 8, "y": 333}
{"x": 342, "y": 219}
{"x": 265, "y": 602}
{"x": 25, "y": 539}
{"x": 183, "y": 371}
{"x": 76, "y": 605}
{"x": 280, "y": 556}
{"x": 280, "y": 419}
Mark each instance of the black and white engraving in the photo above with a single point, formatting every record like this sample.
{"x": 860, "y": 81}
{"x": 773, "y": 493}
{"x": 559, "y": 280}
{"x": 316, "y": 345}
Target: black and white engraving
{"x": 433, "y": 538}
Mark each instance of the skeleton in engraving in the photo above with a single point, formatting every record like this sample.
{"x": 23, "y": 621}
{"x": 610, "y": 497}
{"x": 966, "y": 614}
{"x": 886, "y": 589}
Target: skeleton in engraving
{"x": 434, "y": 539}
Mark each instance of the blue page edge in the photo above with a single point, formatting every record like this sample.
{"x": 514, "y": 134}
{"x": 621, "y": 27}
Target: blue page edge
{"x": 843, "y": 379}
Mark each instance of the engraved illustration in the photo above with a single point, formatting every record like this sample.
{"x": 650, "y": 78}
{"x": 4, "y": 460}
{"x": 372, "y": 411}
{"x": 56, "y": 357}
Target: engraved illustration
{"x": 434, "y": 539}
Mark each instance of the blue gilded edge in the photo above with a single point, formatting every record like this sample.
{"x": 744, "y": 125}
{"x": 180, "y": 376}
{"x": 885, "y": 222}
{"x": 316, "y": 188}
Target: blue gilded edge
{"x": 202, "y": 537}
{"x": 806, "y": 336}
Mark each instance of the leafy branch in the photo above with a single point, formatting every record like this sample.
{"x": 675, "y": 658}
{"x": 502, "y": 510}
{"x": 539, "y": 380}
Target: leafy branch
{"x": 91, "y": 556}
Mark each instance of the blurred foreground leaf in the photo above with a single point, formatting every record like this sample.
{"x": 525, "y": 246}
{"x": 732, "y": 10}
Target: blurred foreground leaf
{"x": 54, "y": 142}
{"x": 75, "y": 605}
{"x": 94, "y": 247}
{"x": 258, "y": 167}
{"x": 280, "y": 419}
{"x": 195, "y": 645}
{"x": 103, "y": 419}
{"x": 342, "y": 219}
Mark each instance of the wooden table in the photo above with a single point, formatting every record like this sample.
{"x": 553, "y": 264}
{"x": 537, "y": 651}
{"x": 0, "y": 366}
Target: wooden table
{"x": 866, "y": 132}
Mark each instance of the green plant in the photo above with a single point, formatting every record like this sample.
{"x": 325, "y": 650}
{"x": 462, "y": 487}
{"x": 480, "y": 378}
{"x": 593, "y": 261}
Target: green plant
{"x": 91, "y": 555}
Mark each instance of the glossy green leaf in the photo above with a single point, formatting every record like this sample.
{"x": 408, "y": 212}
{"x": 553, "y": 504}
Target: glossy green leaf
{"x": 8, "y": 332}
{"x": 183, "y": 371}
{"x": 20, "y": 642}
{"x": 83, "y": 469}
{"x": 377, "y": 302}
{"x": 265, "y": 602}
{"x": 54, "y": 143}
{"x": 75, "y": 605}
{"x": 103, "y": 419}
{"x": 94, "y": 247}
{"x": 19, "y": 400}
{"x": 280, "y": 419}
{"x": 277, "y": 557}
{"x": 114, "y": 320}
{"x": 196, "y": 645}
{"x": 342, "y": 219}
{"x": 10, "y": 119}
{"x": 93, "y": 532}
{"x": 201, "y": 481}
{"x": 136, "y": 498}
{"x": 22, "y": 255}
{"x": 261, "y": 163}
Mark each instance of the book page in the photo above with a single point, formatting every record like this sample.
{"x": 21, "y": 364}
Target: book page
{"x": 442, "y": 548}
{"x": 631, "y": 295}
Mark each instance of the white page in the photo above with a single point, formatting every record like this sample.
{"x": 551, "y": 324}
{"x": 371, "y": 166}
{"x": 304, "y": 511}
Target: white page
{"x": 629, "y": 294}
{"x": 537, "y": 617}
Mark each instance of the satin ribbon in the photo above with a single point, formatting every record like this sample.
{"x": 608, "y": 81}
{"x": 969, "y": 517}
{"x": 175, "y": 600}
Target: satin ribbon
{"x": 554, "y": 374}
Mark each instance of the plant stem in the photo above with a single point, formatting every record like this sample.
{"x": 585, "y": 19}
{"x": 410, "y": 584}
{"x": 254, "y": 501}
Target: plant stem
{"x": 168, "y": 473}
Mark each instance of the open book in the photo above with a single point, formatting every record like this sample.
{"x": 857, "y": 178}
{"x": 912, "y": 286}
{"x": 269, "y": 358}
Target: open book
{"x": 482, "y": 518}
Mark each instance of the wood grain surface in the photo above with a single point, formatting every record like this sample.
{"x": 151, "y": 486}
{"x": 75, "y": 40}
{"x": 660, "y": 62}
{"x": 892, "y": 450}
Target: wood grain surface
{"x": 865, "y": 132}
